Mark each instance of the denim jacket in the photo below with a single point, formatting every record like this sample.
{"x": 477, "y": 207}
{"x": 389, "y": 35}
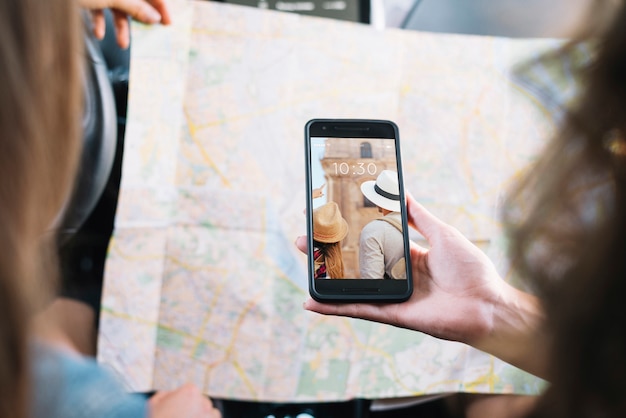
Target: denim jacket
{"x": 67, "y": 385}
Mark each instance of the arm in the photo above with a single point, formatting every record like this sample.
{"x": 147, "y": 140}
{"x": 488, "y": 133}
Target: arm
{"x": 459, "y": 296}
{"x": 64, "y": 327}
{"x": 516, "y": 335}
{"x": 319, "y": 192}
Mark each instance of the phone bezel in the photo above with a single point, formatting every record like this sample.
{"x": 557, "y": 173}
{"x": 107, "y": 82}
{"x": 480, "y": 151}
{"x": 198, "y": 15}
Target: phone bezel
{"x": 355, "y": 290}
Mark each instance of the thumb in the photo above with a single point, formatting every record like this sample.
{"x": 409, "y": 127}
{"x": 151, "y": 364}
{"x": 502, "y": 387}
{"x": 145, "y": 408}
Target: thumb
{"x": 421, "y": 219}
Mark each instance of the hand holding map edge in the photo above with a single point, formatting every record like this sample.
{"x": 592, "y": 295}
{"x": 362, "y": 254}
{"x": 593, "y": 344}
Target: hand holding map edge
{"x": 145, "y": 11}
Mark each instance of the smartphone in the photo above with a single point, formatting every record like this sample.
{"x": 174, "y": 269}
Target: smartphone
{"x": 358, "y": 241}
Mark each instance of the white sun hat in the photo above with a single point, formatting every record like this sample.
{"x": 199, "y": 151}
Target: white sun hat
{"x": 384, "y": 192}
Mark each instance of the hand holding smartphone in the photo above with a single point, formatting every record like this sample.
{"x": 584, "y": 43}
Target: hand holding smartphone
{"x": 358, "y": 244}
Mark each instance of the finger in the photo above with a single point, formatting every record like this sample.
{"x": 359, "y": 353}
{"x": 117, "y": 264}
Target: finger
{"x": 215, "y": 413}
{"x": 421, "y": 219}
{"x": 301, "y": 243}
{"x": 353, "y": 310}
{"x": 122, "y": 31}
{"x": 158, "y": 396}
{"x": 190, "y": 389}
{"x": 98, "y": 23}
{"x": 210, "y": 409}
{"x": 163, "y": 10}
{"x": 139, "y": 10}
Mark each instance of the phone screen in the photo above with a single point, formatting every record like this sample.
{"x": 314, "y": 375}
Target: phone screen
{"x": 358, "y": 246}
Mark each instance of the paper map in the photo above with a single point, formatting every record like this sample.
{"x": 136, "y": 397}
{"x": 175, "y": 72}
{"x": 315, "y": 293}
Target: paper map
{"x": 203, "y": 282}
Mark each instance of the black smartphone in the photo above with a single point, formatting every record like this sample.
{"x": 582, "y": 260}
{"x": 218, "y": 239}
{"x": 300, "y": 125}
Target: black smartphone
{"x": 358, "y": 240}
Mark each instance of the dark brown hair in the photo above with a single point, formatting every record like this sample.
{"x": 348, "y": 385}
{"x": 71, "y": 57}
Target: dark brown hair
{"x": 567, "y": 225}
{"x": 39, "y": 126}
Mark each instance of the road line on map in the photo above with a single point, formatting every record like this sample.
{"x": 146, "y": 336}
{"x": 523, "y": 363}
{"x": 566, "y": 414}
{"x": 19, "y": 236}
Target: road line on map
{"x": 193, "y": 133}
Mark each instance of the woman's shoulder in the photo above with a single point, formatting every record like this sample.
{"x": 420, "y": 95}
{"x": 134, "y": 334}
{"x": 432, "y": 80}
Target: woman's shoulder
{"x": 65, "y": 384}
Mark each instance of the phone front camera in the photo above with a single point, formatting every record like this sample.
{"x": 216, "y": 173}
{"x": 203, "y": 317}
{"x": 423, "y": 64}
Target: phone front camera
{"x": 323, "y": 128}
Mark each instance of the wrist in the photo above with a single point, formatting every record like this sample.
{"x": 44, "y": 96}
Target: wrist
{"x": 515, "y": 333}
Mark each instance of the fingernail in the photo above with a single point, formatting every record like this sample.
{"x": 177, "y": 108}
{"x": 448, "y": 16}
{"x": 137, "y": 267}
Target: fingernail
{"x": 152, "y": 16}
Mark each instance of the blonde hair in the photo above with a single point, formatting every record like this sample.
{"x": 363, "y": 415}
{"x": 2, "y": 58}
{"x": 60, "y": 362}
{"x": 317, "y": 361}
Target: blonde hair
{"x": 333, "y": 258}
{"x": 40, "y": 109}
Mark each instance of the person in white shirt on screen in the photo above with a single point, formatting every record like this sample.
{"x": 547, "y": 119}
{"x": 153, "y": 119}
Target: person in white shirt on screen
{"x": 381, "y": 247}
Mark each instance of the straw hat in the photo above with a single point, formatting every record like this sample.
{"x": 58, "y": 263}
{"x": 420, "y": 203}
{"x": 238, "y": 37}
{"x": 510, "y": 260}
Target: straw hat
{"x": 384, "y": 192}
{"x": 328, "y": 224}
